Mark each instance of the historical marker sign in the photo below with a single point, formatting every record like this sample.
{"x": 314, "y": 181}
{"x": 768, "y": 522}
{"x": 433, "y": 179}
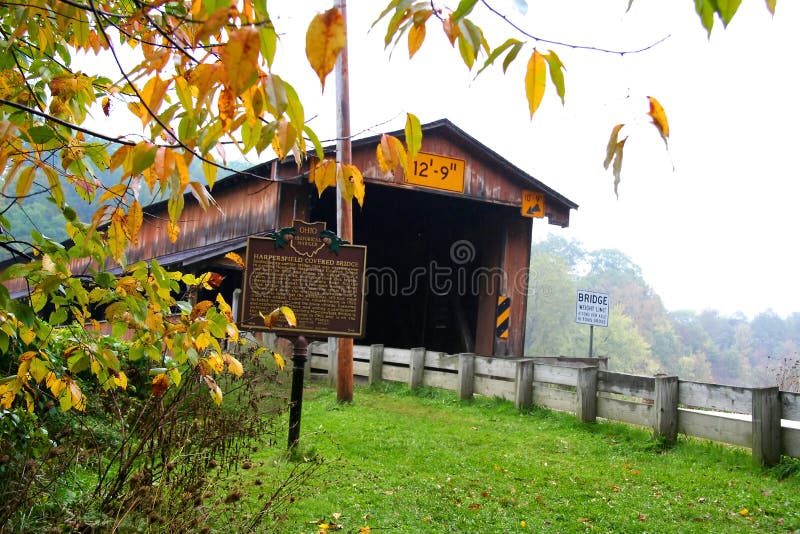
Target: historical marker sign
{"x": 306, "y": 268}
{"x": 438, "y": 172}
{"x": 592, "y": 308}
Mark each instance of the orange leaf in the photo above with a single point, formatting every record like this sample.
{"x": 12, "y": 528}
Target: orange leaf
{"x": 200, "y": 309}
{"x": 227, "y": 108}
{"x": 160, "y": 384}
{"x": 416, "y": 36}
{"x": 659, "y": 117}
{"x": 235, "y": 258}
{"x": 325, "y": 39}
{"x": 152, "y": 96}
{"x": 240, "y": 57}
{"x": 535, "y": 79}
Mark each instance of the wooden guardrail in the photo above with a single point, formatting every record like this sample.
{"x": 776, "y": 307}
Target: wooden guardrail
{"x": 765, "y": 420}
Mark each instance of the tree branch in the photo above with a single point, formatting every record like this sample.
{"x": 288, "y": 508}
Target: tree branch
{"x": 570, "y": 45}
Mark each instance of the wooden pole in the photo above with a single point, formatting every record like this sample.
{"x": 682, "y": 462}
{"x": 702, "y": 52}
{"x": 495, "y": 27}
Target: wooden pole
{"x": 344, "y": 209}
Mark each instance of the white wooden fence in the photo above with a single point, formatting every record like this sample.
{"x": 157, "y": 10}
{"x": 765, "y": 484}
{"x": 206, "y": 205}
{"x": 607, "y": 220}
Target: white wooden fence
{"x": 765, "y": 420}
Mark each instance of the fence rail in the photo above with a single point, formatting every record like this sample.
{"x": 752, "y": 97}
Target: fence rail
{"x": 765, "y": 420}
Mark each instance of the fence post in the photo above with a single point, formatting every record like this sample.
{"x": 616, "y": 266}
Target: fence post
{"x": 375, "y": 364}
{"x": 466, "y": 376}
{"x": 766, "y": 426}
{"x": 586, "y": 409}
{"x": 665, "y": 408}
{"x": 416, "y": 367}
{"x": 333, "y": 361}
{"x": 523, "y": 385}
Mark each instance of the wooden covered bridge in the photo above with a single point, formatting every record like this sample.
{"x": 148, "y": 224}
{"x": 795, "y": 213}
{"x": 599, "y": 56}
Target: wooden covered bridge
{"x": 443, "y": 243}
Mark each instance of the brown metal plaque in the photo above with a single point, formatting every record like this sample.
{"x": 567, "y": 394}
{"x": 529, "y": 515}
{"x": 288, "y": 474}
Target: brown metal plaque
{"x": 306, "y": 269}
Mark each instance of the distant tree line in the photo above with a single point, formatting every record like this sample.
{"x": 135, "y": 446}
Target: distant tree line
{"x": 643, "y": 337}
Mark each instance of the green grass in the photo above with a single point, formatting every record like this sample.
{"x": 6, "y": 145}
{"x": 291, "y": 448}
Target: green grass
{"x": 398, "y": 461}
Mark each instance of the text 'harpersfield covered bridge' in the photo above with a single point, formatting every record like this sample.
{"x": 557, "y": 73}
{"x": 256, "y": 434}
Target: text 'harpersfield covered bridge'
{"x": 444, "y": 243}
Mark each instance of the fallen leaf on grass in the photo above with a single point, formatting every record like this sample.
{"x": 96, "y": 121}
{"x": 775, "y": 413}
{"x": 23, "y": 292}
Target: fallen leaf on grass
{"x": 744, "y": 511}
{"x": 474, "y": 506}
{"x": 642, "y": 517}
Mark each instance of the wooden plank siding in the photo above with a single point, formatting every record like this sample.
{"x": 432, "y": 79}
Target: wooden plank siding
{"x": 246, "y": 207}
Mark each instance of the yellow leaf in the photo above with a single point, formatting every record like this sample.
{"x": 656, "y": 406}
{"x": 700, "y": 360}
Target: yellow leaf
{"x": 121, "y": 380}
{"x": 744, "y": 511}
{"x": 323, "y": 174}
{"x": 134, "y": 222}
{"x": 234, "y": 366}
{"x": 213, "y": 388}
{"x": 240, "y": 57}
{"x": 216, "y": 362}
{"x": 535, "y": 79}
{"x": 391, "y": 154}
{"x": 612, "y": 145}
{"x": 289, "y": 314}
{"x": 352, "y": 183}
{"x": 659, "y": 117}
{"x": 617, "y": 167}
{"x": 279, "y": 361}
{"x": 325, "y": 39}
{"x": 78, "y": 400}
{"x": 235, "y": 258}
{"x": 116, "y": 234}
{"x": 172, "y": 231}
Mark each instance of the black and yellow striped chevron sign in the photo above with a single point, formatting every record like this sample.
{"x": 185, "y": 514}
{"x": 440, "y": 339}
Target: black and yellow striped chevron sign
{"x": 503, "y": 314}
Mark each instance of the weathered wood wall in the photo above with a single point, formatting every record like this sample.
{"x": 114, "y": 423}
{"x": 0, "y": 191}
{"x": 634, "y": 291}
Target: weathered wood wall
{"x": 763, "y": 419}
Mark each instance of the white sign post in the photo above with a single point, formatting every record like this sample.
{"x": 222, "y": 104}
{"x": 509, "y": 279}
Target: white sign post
{"x": 591, "y": 308}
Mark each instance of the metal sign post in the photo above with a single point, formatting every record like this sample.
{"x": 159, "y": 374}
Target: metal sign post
{"x": 591, "y": 308}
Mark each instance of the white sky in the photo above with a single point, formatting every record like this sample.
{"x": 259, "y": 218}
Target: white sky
{"x": 718, "y": 232}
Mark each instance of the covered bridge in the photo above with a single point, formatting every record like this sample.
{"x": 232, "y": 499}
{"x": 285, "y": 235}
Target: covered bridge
{"x": 443, "y": 243}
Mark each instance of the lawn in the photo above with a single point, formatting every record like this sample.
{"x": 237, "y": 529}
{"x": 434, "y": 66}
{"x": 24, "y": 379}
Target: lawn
{"x": 400, "y": 461}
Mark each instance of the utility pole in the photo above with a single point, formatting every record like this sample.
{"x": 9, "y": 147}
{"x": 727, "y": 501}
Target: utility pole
{"x": 344, "y": 208}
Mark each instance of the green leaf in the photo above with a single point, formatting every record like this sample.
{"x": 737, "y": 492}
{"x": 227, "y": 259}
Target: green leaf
{"x": 269, "y": 42}
{"x": 294, "y": 108}
{"x": 78, "y": 361}
{"x": 40, "y": 135}
{"x": 727, "y": 9}
{"x": 706, "y": 9}
{"x": 497, "y": 52}
{"x": 58, "y": 316}
{"x": 312, "y": 136}
{"x": 142, "y": 157}
{"x": 413, "y": 133}
{"x": 511, "y": 56}
{"x": 464, "y": 8}
{"x": 556, "y": 73}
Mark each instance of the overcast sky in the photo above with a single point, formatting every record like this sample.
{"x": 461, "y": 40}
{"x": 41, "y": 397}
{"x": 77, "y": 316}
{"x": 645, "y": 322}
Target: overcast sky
{"x": 718, "y": 231}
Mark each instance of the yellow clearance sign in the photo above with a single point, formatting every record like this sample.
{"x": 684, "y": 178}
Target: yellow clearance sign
{"x": 437, "y": 172}
{"x": 532, "y": 204}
